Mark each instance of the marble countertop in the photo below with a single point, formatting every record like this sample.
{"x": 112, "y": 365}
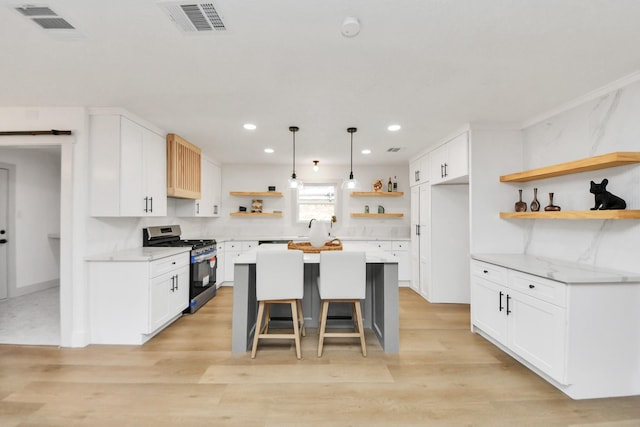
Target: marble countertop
{"x": 374, "y": 255}
{"x": 561, "y": 271}
{"x": 139, "y": 254}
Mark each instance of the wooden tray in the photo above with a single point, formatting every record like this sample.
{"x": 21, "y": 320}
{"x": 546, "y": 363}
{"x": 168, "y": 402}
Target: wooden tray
{"x": 331, "y": 245}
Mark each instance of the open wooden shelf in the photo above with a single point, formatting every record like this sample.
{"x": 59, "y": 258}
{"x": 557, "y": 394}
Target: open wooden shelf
{"x": 377, "y": 215}
{"x": 604, "y": 214}
{"x": 376, "y": 194}
{"x": 256, "y": 193}
{"x": 256, "y": 214}
{"x": 584, "y": 165}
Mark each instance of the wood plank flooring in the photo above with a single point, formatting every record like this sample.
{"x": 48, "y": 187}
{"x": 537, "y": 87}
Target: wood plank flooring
{"x": 186, "y": 376}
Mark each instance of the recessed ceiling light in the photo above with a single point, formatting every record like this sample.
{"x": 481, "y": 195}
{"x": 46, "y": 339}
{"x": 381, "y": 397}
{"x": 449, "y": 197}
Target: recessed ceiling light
{"x": 249, "y": 126}
{"x": 268, "y": 150}
{"x": 366, "y": 151}
{"x": 393, "y": 128}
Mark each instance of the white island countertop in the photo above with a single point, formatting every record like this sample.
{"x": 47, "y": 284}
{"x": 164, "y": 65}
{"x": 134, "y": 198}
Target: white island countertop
{"x": 374, "y": 254}
{"x": 562, "y": 271}
{"x": 139, "y": 254}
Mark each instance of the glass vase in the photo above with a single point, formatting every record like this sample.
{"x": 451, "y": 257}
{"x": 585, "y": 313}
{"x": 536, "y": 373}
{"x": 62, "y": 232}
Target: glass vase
{"x": 535, "y": 204}
{"x": 520, "y": 205}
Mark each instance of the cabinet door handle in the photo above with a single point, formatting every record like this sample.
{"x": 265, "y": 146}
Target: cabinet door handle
{"x": 176, "y": 276}
{"x": 146, "y": 204}
{"x": 445, "y": 170}
{"x": 198, "y": 208}
{"x": 508, "y": 299}
{"x": 441, "y": 170}
{"x": 416, "y": 176}
{"x": 151, "y": 203}
{"x": 173, "y": 283}
{"x": 500, "y": 307}
{"x": 531, "y": 286}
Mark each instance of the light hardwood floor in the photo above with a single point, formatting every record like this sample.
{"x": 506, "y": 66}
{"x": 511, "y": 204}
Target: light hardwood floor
{"x": 186, "y": 376}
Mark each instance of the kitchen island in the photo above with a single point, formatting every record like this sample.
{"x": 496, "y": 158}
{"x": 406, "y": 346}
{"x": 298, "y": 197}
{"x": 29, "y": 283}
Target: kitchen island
{"x": 380, "y": 306}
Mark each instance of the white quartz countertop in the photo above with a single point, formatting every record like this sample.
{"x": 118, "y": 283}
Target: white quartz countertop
{"x": 139, "y": 254}
{"x": 374, "y": 255}
{"x": 221, "y": 239}
{"x": 561, "y": 271}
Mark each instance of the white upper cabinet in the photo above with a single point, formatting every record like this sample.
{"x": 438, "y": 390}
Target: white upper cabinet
{"x": 128, "y": 168}
{"x": 450, "y": 162}
{"x": 418, "y": 170}
{"x": 209, "y": 203}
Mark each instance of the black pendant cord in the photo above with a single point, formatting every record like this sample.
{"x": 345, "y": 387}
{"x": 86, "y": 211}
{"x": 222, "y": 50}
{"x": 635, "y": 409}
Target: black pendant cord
{"x": 351, "y": 131}
{"x": 35, "y": 132}
{"x": 294, "y": 129}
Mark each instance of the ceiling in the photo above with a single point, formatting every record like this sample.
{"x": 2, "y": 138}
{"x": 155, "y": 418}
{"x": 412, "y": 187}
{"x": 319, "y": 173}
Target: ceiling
{"x": 429, "y": 65}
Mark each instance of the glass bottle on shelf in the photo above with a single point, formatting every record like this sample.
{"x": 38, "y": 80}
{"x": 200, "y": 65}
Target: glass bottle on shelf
{"x": 389, "y": 186}
{"x": 395, "y": 184}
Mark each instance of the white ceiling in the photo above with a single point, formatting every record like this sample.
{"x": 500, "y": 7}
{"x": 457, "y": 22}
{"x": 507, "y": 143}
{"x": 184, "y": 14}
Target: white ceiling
{"x": 429, "y": 65}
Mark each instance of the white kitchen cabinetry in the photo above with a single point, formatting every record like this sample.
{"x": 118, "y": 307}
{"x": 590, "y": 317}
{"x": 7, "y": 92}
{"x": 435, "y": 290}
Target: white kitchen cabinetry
{"x": 400, "y": 250}
{"x": 209, "y": 203}
{"x": 234, "y": 249}
{"x": 449, "y": 163}
{"x": 581, "y": 334}
{"x": 130, "y": 301}
{"x": 419, "y": 170}
{"x": 440, "y": 242}
{"x": 128, "y": 168}
{"x": 220, "y": 268}
{"x": 512, "y": 308}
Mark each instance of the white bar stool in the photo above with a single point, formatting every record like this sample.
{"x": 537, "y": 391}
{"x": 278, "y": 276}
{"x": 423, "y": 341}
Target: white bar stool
{"x": 342, "y": 278}
{"x": 279, "y": 280}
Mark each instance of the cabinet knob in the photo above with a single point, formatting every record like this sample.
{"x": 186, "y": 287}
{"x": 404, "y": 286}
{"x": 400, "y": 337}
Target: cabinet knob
{"x": 532, "y": 286}
{"x": 485, "y": 271}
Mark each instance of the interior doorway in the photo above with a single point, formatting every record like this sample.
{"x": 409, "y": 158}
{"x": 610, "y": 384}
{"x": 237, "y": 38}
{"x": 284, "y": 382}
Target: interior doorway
{"x": 4, "y": 227}
{"x": 30, "y": 311}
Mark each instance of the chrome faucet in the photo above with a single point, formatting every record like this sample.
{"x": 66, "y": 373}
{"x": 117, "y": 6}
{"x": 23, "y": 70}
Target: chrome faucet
{"x": 312, "y": 219}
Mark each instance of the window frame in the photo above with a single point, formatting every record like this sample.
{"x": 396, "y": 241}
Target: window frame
{"x": 336, "y": 203}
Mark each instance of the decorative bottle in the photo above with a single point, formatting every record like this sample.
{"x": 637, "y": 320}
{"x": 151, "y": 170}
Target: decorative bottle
{"x": 520, "y": 205}
{"x": 389, "y": 186}
{"x": 551, "y": 206}
{"x": 535, "y": 205}
{"x": 395, "y": 184}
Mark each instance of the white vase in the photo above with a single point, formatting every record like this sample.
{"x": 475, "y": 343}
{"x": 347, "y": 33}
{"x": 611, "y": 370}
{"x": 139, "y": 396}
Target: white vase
{"x": 318, "y": 234}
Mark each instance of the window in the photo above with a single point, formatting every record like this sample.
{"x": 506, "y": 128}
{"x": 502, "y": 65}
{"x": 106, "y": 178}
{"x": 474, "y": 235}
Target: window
{"x": 316, "y": 200}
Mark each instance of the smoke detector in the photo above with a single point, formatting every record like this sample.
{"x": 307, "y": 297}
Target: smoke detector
{"x": 350, "y": 26}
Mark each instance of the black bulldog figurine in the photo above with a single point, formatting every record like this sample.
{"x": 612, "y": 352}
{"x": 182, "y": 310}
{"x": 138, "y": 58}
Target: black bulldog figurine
{"x": 604, "y": 199}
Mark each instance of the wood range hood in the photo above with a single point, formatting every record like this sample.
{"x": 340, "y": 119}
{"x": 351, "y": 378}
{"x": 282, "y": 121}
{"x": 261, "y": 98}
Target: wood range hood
{"x": 184, "y": 163}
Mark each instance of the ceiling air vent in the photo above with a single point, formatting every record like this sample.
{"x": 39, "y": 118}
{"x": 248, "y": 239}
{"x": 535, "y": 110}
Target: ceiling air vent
{"x": 195, "y": 17}
{"x": 45, "y": 18}
{"x": 393, "y": 149}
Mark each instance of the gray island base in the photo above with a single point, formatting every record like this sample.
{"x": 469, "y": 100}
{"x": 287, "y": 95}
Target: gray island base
{"x": 380, "y": 306}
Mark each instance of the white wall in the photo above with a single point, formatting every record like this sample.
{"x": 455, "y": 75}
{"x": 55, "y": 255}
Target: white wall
{"x": 36, "y": 212}
{"x": 603, "y": 125}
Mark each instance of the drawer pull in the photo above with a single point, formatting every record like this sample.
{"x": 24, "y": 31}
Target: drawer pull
{"x": 500, "y": 307}
{"x": 485, "y": 271}
{"x": 532, "y": 286}
{"x": 508, "y": 310}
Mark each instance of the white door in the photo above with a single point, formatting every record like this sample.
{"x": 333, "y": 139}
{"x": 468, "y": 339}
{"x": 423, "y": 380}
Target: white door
{"x": 4, "y": 207}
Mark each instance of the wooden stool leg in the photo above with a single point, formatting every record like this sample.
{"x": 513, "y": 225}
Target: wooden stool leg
{"x": 301, "y": 318}
{"x": 296, "y": 331}
{"x": 360, "y": 328}
{"x": 256, "y": 334}
{"x": 323, "y": 325}
{"x": 267, "y": 317}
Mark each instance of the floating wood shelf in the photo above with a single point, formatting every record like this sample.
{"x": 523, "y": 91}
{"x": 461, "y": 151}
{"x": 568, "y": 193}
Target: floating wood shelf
{"x": 377, "y": 215}
{"x": 584, "y": 165}
{"x": 256, "y": 193}
{"x": 376, "y": 194}
{"x": 605, "y": 214}
{"x": 256, "y": 214}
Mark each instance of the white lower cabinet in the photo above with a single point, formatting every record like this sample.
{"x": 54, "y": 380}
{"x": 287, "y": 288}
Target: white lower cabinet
{"x": 400, "y": 250}
{"x": 581, "y": 337}
{"x": 526, "y": 324}
{"x": 232, "y": 250}
{"x": 130, "y": 301}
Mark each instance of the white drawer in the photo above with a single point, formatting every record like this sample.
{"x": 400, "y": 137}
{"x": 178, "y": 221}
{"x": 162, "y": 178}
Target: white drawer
{"x": 384, "y": 245}
{"x": 166, "y": 265}
{"x": 400, "y": 246}
{"x": 249, "y": 245}
{"x": 539, "y": 287}
{"x": 491, "y": 272}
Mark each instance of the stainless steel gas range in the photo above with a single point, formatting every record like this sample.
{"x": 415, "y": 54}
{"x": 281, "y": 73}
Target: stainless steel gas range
{"x": 202, "y": 277}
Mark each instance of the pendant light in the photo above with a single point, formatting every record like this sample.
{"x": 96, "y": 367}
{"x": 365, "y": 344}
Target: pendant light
{"x": 293, "y": 182}
{"x": 352, "y": 183}
{"x": 316, "y": 168}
